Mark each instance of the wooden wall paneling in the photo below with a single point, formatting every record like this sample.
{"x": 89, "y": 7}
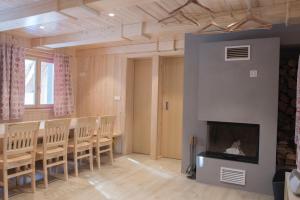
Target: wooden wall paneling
{"x": 128, "y": 107}
{"x": 154, "y": 106}
{"x": 142, "y": 106}
{"x": 120, "y": 103}
{"x": 101, "y": 77}
{"x": 159, "y": 108}
{"x": 117, "y": 93}
{"x": 99, "y": 82}
{"x": 164, "y": 48}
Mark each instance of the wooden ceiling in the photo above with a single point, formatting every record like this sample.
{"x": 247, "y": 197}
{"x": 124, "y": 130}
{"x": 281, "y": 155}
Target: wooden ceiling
{"x": 63, "y": 23}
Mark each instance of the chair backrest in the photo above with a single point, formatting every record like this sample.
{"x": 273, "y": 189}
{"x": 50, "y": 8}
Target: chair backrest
{"x": 56, "y": 133}
{"x": 85, "y": 129}
{"x": 20, "y": 138}
{"x": 106, "y": 126}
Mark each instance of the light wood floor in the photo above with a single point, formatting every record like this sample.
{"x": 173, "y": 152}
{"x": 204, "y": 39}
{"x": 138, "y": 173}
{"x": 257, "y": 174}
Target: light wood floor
{"x": 136, "y": 177}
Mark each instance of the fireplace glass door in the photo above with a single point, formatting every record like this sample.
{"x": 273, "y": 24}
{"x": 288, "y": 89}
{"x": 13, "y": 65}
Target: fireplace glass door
{"x": 233, "y": 141}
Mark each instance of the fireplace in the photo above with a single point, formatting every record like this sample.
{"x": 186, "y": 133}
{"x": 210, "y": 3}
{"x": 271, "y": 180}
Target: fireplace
{"x": 232, "y": 141}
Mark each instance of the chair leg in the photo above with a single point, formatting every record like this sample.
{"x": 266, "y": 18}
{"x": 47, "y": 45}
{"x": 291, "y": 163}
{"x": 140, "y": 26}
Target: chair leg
{"x": 75, "y": 163}
{"x": 98, "y": 156}
{"x": 17, "y": 178}
{"x": 33, "y": 184}
{"x": 91, "y": 159}
{"x": 45, "y": 169}
{"x": 111, "y": 154}
{"x": 5, "y": 185}
{"x": 56, "y": 167}
{"x": 66, "y": 167}
{"x": 80, "y": 160}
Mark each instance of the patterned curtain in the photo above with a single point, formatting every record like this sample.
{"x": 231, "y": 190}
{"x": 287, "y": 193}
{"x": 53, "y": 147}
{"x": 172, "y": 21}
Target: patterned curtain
{"x": 297, "y": 128}
{"x": 12, "y": 78}
{"x": 63, "y": 96}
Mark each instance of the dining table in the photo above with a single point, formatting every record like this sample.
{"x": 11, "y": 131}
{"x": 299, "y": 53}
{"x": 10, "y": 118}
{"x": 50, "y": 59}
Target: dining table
{"x": 72, "y": 126}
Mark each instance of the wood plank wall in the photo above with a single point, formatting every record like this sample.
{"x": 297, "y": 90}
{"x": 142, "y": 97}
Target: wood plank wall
{"x": 99, "y": 86}
{"x": 104, "y": 74}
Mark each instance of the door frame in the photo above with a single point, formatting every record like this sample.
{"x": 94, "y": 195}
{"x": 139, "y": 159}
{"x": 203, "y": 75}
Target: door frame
{"x": 127, "y": 103}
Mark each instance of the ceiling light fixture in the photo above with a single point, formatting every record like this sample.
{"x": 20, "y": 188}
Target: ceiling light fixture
{"x": 111, "y": 14}
{"x": 42, "y": 27}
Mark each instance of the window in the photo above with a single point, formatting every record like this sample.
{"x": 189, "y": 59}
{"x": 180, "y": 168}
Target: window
{"x": 39, "y": 83}
{"x": 47, "y": 83}
{"x": 30, "y": 82}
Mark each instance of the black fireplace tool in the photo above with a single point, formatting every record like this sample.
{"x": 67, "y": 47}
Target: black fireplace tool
{"x": 191, "y": 170}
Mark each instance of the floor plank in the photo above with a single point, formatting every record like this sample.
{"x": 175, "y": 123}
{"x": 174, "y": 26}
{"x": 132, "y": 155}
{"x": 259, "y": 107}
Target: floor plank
{"x": 136, "y": 177}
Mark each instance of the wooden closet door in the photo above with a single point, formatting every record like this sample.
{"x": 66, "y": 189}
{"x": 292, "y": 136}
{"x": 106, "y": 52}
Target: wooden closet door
{"x": 172, "y": 91}
{"x": 142, "y": 106}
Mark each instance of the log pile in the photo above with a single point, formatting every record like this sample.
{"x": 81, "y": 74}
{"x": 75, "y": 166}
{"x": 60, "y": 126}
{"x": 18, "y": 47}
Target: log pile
{"x": 286, "y": 149}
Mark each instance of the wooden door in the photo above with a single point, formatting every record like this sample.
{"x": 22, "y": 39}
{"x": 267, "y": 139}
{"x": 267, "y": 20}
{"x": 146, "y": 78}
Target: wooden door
{"x": 142, "y": 106}
{"x": 172, "y": 100}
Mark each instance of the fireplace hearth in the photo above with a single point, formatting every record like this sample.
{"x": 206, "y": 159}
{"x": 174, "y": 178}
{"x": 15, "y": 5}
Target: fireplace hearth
{"x": 232, "y": 141}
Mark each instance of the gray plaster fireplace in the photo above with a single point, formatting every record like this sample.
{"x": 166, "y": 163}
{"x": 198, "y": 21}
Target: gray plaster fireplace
{"x": 232, "y": 141}
{"x": 225, "y": 98}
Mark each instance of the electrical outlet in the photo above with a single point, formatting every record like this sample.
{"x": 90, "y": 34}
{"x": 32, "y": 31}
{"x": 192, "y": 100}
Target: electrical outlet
{"x": 253, "y": 74}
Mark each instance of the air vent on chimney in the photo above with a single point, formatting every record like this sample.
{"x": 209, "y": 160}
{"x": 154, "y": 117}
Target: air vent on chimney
{"x": 233, "y": 53}
{"x": 233, "y": 176}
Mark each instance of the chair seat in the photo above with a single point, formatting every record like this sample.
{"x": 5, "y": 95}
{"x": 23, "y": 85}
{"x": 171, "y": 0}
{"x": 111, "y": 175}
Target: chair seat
{"x": 80, "y": 145}
{"x": 49, "y": 151}
{"x": 102, "y": 141}
{"x": 17, "y": 158}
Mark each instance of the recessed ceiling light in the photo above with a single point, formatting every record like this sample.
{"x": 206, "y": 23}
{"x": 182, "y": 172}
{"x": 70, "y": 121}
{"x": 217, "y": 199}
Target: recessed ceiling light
{"x": 42, "y": 27}
{"x": 111, "y": 14}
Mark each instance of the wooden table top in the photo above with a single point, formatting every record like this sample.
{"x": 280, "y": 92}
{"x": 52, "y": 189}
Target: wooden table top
{"x": 42, "y": 128}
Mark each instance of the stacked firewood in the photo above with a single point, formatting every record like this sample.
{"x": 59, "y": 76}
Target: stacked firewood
{"x": 286, "y": 156}
{"x": 286, "y": 149}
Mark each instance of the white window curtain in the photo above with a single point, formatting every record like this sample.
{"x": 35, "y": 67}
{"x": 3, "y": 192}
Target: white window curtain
{"x": 63, "y": 95}
{"x": 297, "y": 128}
{"x": 12, "y": 78}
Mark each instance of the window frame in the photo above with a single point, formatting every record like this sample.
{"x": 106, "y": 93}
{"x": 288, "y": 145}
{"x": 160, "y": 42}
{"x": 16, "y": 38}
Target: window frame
{"x": 37, "y": 102}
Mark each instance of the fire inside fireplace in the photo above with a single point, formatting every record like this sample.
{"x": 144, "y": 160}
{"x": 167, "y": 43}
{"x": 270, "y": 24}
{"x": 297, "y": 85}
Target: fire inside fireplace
{"x": 233, "y": 141}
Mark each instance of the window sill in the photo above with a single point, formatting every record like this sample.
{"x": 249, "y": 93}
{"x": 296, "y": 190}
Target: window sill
{"x": 42, "y": 107}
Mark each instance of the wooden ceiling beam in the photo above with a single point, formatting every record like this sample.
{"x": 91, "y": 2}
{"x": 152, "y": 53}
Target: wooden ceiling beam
{"x": 109, "y": 5}
{"x": 120, "y": 33}
{"x": 37, "y": 13}
{"x": 275, "y": 14}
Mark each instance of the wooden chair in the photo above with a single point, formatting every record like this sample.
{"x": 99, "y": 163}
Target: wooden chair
{"x": 103, "y": 141}
{"x": 82, "y": 144}
{"x": 54, "y": 149}
{"x": 19, "y": 146}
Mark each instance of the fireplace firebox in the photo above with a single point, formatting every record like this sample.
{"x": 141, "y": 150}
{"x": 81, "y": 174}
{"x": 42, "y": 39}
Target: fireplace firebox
{"x": 232, "y": 141}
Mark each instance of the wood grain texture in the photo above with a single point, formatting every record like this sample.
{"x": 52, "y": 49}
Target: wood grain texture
{"x": 19, "y": 148}
{"x": 73, "y": 23}
{"x": 154, "y": 105}
{"x": 128, "y": 124}
{"x": 142, "y": 105}
{"x": 137, "y": 177}
{"x": 99, "y": 82}
{"x": 172, "y": 99}
{"x": 54, "y": 147}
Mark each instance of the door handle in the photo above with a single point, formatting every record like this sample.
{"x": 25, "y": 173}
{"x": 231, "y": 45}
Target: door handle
{"x": 167, "y": 105}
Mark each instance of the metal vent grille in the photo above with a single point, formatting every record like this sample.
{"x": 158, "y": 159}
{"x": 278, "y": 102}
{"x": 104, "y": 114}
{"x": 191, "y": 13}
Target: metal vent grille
{"x": 233, "y": 53}
{"x": 233, "y": 176}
